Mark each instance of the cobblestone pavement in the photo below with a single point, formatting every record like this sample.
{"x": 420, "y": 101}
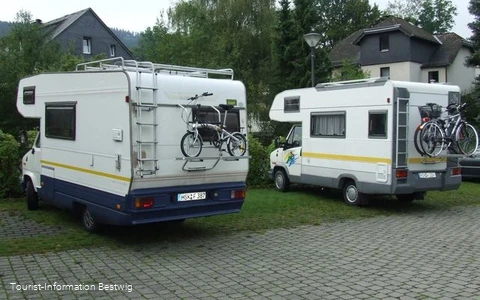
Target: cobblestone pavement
{"x": 13, "y": 226}
{"x": 427, "y": 255}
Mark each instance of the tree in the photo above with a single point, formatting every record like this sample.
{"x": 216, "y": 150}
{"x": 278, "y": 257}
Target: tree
{"x": 350, "y": 71}
{"x": 435, "y": 16}
{"x": 26, "y": 50}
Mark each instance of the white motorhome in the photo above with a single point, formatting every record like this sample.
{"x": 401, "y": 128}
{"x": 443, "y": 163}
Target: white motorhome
{"x": 109, "y": 142}
{"x": 358, "y": 136}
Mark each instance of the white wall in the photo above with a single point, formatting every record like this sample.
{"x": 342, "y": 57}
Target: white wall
{"x": 403, "y": 71}
{"x": 459, "y": 74}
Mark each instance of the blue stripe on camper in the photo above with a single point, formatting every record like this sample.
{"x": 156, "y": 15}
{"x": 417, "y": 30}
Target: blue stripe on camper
{"x": 102, "y": 205}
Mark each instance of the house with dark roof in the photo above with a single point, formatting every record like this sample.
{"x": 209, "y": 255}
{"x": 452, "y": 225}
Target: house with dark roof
{"x": 403, "y": 51}
{"x": 87, "y": 35}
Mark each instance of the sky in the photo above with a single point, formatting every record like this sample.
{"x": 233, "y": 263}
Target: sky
{"x": 144, "y": 13}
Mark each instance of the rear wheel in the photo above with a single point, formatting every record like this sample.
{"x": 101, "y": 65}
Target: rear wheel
{"x": 88, "y": 221}
{"x": 417, "y": 142}
{"x": 239, "y": 147}
{"x": 282, "y": 183}
{"x": 432, "y": 139}
{"x": 32, "y": 197}
{"x": 191, "y": 144}
{"x": 351, "y": 195}
{"x": 466, "y": 139}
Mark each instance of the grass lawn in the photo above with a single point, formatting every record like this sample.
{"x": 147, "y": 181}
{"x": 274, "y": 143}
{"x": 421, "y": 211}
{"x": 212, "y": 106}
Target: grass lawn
{"x": 263, "y": 209}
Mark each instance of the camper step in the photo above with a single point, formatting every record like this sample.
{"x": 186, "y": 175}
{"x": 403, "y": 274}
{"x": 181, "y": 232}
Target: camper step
{"x": 147, "y": 142}
{"x": 147, "y": 124}
{"x": 146, "y": 88}
{"x": 148, "y": 159}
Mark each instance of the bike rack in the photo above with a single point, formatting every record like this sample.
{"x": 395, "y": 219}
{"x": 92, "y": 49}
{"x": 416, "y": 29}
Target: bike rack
{"x": 201, "y": 159}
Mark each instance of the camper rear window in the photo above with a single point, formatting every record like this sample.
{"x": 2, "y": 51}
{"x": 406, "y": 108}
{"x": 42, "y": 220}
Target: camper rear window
{"x": 208, "y": 115}
{"x": 328, "y": 125}
{"x": 291, "y": 104}
{"x": 60, "y": 120}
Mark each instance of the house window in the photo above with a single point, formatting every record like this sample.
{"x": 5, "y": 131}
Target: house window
{"x": 113, "y": 50}
{"x": 385, "y": 72}
{"x": 60, "y": 120}
{"x": 384, "y": 42}
{"x": 291, "y": 104}
{"x": 87, "y": 45}
{"x": 205, "y": 115}
{"x": 377, "y": 124}
{"x": 328, "y": 124}
{"x": 433, "y": 76}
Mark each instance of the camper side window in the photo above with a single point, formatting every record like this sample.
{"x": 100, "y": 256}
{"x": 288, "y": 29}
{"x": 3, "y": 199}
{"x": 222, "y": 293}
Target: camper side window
{"x": 60, "y": 120}
{"x": 328, "y": 125}
{"x": 291, "y": 104}
{"x": 377, "y": 124}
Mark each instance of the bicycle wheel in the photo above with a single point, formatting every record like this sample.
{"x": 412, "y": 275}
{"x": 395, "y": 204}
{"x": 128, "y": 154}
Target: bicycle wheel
{"x": 416, "y": 140}
{"x": 237, "y": 148}
{"x": 432, "y": 139}
{"x": 191, "y": 144}
{"x": 466, "y": 139}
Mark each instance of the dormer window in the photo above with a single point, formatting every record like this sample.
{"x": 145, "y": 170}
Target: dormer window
{"x": 384, "y": 42}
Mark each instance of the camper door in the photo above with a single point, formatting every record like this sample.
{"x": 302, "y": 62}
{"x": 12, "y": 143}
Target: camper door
{"x": 292, "y": 153}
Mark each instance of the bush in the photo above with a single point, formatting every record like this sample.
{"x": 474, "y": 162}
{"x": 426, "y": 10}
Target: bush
{"x": 259, "y": 163}
{"x": 9, "y": 165}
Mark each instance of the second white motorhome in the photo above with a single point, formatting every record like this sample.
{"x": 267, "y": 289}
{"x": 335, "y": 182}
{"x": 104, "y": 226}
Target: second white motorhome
{"x": 109, "y": 142}
{"x": 358, "y": 136}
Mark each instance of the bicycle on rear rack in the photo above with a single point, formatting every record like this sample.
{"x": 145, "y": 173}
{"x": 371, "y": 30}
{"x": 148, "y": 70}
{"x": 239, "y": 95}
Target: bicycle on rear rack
{"x": 450, "y": 132}
{"x": 191, "y": 143}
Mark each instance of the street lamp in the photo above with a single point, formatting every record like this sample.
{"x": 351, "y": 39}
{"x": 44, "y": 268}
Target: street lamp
{"x": 312, "y": 40}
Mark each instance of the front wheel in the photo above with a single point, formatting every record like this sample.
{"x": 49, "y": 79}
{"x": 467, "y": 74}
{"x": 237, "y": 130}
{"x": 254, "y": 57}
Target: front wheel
{"x": 466, "y": 139}
{"x": 191, "y": 144}
{"x": 281, "y": 180}
{"x": 88, "y": 221}
{"x": 237, "y": 147}
{"x": 32, "y": 197}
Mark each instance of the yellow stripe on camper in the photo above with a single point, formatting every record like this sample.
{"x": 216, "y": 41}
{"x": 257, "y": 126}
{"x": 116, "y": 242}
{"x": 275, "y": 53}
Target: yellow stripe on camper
{"x": 426, "y": 160}
{"x": 365, "y": 159}
{"x": 103, "y": 174}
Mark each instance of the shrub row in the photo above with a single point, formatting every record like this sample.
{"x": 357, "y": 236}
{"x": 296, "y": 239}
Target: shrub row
{"x": 11, "y": 154}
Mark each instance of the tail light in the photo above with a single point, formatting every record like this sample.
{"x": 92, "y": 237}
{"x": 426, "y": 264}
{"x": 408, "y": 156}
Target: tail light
{"x": 425, "y": 120}
{"x": 238, "y": 194}
{"x": 144, "y": 202}
{"x": 456, "y": 171}
{"x": 401, "y": 174}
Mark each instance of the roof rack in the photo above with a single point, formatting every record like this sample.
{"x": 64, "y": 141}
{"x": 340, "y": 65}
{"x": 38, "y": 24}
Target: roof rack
{"x": 150, "y": 67}
{"x": 355, "y": 81}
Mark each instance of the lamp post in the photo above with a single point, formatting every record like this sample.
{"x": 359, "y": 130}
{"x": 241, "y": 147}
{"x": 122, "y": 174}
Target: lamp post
{"x": 312, "y": 40}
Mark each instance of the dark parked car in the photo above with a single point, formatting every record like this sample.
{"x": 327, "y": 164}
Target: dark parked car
{"x": 471, "y": 166}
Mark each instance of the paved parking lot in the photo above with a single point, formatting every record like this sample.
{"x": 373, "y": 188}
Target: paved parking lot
{"x": 427, "y": 255}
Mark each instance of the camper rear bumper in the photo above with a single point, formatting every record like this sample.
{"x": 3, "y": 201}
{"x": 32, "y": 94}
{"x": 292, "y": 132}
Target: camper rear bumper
{"x": 427, "y": 181}
{"x": 220, "y": 199}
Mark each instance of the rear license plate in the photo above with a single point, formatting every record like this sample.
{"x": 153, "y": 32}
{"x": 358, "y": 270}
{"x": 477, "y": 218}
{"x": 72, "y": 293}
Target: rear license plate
{"x": 427, "y": 175}
{"x": 192, "y": 196}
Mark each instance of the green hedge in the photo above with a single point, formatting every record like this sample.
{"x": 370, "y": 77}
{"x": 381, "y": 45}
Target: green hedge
{"x": 259, "y": 163}
{"x": 10, "y": 163}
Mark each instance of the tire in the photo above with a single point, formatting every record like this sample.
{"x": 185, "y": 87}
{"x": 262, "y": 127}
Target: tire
{"x": 189, "y": 143}
{"x": 432, "y": 139}
{"x": 88, "y": 221}
{"x": 466, "y": 139}
{"x": 405, "y": 198}
{"x": 282, "y": 183}
{"x": 351, "y": 195}
{"x": 32, "y": 197}
{"x": 416, "y": 141}
{"x": 239, "y": 146}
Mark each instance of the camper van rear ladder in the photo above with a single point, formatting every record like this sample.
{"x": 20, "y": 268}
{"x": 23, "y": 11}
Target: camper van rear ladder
{"x": 402, "y": 133}
{"x": 147, "y": 124}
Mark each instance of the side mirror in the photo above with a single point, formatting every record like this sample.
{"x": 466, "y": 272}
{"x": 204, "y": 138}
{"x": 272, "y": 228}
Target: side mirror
{"x": 23, "y": 138}
{"x": 296, "y": 144}
{"x": 277, "y": 142}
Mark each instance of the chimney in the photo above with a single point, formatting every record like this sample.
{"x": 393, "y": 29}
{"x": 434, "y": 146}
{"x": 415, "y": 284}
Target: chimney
{"x": 38, "y": 21}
